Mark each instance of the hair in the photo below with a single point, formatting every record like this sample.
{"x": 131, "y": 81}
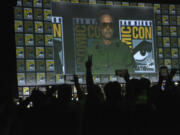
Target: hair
{"x": 108, "y": 12}
{"x": 163, "y": 67}
{"x": 104, "y": 12}
{"x": 112, "y": 91}
{"x": 145, "y": 83}
{"x": 95, "y": 96}
{"x": 65, "y": 93}
{"x": 135, "y": 83}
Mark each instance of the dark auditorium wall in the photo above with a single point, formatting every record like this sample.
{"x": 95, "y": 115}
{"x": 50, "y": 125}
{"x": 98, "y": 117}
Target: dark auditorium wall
{"x": 8, "y": 54}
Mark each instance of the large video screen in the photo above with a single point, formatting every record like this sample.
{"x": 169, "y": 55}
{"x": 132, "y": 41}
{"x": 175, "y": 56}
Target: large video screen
{"x": 116, "y": 37}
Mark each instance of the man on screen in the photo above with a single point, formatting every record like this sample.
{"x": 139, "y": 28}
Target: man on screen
{"x": 109, "y": 53}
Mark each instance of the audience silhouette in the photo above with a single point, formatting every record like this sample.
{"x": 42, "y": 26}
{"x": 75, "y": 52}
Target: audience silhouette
{"x": 145, "y": 108}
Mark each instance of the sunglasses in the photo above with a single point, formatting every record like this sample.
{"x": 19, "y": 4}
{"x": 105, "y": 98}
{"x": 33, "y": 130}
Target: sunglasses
{"x": 104, "y": 25}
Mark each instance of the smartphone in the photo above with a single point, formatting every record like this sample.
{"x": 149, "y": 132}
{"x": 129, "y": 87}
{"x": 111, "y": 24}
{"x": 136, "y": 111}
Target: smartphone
{"x": 121, "y": 72}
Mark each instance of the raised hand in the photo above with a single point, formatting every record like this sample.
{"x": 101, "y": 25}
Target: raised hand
{"x": 173, "y": 72}
{"x": 80, "y": 93}
{"x": 89, "y": 62}
{"x": 76, "y": 81}
{"x": 126, "y": 76}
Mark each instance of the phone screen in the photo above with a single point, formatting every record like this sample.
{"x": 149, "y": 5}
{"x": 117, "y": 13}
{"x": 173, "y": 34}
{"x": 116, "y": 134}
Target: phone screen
{"x": 163, "y": 85}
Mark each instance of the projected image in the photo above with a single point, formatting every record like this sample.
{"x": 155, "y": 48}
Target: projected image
{"x": 54, "y": 39}
{"x": 107, "y": 51}
{"x": 138, "y": 35}
{"x": 58, "y": 44}
{"x": 115, "y": 41}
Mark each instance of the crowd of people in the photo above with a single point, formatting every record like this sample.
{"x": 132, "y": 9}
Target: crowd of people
{"x": 144, "y": 109}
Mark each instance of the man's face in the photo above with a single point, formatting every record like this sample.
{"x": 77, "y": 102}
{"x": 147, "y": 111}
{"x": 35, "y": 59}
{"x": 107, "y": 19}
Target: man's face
{"x": 106, "y": 26}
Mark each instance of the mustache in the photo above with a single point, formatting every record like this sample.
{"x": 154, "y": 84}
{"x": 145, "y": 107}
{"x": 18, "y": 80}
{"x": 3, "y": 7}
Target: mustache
{"x": 108, "y": 32}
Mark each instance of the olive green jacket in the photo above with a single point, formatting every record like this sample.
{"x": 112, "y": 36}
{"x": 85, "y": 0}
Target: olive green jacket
{"x": 107, "y": 58}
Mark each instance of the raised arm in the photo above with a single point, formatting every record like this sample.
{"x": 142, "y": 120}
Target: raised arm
{"x": 89, "y": 78}
{"x": 80, "y": 93}
{"x": 172, "y": 74}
